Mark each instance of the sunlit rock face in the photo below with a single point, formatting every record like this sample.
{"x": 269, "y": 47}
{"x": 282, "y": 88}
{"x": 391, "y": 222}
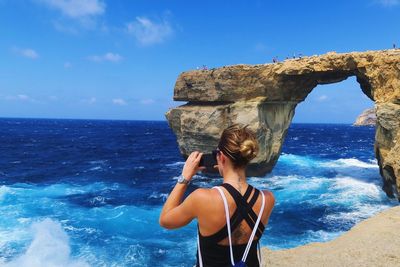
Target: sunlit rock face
{"x": 367, "y": 118}
{"x": 265, "y": 97}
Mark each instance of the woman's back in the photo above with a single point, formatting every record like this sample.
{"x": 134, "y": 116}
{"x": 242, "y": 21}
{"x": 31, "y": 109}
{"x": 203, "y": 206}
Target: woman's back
{"x": 237, "y": 147}
{"x": 244, "y": 208}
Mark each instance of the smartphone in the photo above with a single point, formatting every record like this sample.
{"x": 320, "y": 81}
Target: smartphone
{"x": 208, "y": 161}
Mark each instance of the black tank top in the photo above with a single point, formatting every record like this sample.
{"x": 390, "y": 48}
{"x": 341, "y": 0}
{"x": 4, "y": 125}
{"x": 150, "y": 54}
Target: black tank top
{"x": 217, "y": 255}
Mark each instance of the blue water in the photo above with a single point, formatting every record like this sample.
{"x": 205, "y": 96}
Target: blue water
{"x": 89, "y": 193}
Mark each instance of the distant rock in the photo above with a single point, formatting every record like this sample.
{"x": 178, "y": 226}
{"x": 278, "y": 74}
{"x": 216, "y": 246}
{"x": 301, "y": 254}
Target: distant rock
{"x": 367, "y": 118}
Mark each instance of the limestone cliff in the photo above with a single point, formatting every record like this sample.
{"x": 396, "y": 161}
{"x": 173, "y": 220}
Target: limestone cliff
{"x": 265, "y": 97}
{"x": 367, "y": 118}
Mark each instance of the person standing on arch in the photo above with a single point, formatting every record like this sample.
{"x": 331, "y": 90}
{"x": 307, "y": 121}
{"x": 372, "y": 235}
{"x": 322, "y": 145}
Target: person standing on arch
{"x": 231, "y": 217}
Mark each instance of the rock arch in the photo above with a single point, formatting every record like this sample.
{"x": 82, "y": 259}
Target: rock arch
{"x": 265, "y": 97}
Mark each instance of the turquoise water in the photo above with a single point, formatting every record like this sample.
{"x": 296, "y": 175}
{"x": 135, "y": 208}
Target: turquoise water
{"x": 89, "y": 193}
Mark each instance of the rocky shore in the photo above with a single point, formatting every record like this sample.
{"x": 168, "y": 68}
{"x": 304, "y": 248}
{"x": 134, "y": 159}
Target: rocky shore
{"x": 371, "y": 243}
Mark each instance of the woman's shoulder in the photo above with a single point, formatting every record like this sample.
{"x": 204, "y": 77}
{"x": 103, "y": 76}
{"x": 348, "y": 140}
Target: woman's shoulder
{"x": 203, "y": 193}
{"x": 269, "y": 197}
{"x": 268, "y": 193}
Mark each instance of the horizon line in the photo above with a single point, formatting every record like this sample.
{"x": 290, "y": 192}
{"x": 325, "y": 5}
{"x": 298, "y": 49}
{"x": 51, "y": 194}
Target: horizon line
{"x": 150, "y": 120}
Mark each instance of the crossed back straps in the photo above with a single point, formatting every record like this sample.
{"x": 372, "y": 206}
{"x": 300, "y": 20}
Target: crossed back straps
{"x": 244, "y": 211}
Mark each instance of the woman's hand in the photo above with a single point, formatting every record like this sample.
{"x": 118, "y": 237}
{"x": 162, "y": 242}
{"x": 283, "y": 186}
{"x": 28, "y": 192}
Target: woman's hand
{"x": 192, "y": 165}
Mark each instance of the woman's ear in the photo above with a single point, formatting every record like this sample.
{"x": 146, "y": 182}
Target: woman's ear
{"x": 222, "y": 157}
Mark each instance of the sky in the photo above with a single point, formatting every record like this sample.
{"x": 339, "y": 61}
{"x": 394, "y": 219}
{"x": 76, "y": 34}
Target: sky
{"x": 115, "y": 59}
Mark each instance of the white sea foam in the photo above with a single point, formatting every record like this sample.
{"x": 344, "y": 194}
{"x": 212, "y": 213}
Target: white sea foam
{"x": 3, "y": 191}
{"x": 175, "y": 164}
{"x": 101, "y": 161}
{"x": 138, "y": 167}
{"x": 351, "y": 162}
{"x": 321, "y": 236}
{"x": 353, "y": 188}
{"x": 361, "y": 212}
{"x": 96, "y": 168}
{"x": 305, "y": 161}
{"x": 98, "y": 200}
{"x": 87, "y": 230}
{"x": 290, "y": 182}
{"x": 49, "y": 248}
{"x": 135, "y": 254}
{"x": 11, "y": 236}
{"x": 157, "y": 195}
{"x": 350, "y": 193}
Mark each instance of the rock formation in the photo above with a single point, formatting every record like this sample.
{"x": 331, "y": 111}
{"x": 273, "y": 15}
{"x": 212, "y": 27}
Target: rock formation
{"x": 367, "y": 118}
{"x": 265, "y": 97}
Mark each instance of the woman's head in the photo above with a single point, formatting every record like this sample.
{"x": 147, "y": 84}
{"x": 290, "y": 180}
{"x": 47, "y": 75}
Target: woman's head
{"x": 239, "y": 144}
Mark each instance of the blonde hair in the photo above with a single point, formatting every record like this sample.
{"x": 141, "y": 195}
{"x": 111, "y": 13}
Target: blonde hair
{"x": 239, "y": 143}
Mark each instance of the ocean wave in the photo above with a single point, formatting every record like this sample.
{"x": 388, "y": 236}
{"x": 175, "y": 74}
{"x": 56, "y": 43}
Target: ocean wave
{"x": 135, "y": 255}
{"x": 306, "y": 161}
{"x": 320, "y": 236}
{"x": 87, "y": 230}
{"x": 157, "y": 195}
{"x": 292, "y": 159}
{"x": 355, "y": 188}
{"x": 4, "y": 190}
{"x": 361, "y": 212}
{"x": 101, "y": 162}
{"x": 49, "y": 247}
{"x": 175, "y": 164}
{"x": 290, "y": 182}
{"x": 18, "y": 193}
{"x": 96, "y": 168}
{"x": 350, "y": 162}
{"x": 138, "y": 167}
{"x": 98, "y": 201}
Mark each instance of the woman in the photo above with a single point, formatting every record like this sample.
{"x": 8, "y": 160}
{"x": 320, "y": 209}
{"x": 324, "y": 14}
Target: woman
{"x": 237, "y": 147}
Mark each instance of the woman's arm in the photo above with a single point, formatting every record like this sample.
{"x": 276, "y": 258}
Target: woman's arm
{"x": 176, "y": 213}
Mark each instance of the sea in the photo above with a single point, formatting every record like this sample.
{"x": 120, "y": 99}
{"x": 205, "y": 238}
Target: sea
{"x": 89, "y": 192}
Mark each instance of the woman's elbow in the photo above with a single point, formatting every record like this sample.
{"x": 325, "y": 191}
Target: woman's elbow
{"x": 164, "y": 223}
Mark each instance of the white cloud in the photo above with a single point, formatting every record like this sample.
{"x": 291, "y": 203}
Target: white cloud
{"x": 77, "y": 8}
{"x": 89, "y": 101}
{"x": 77, "y": 14}
{"x": 322, "y": 98}
{"x": 65, "y": 27}
{"x": 119, "y": 101}
{"x": 23, "y": 97}
{"x": 148, "y": 101}
{"x": 26, "y": 52}
{"x": 388, "y": 3}
{"x": 67, "y": 65}
{"x": 148, "y": 32}
{"x": 20, "y": 97}
{"x": 111, "y": 57}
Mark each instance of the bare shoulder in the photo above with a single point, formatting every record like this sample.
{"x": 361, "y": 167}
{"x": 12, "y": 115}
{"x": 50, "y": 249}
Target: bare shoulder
{"x": 269, "y": 196}
{"x": 202, "y": 194}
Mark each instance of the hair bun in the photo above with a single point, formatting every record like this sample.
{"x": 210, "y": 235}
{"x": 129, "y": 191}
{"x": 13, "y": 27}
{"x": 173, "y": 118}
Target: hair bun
{"x": 240, "y": 144}
{"x": 248, "y": 149}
